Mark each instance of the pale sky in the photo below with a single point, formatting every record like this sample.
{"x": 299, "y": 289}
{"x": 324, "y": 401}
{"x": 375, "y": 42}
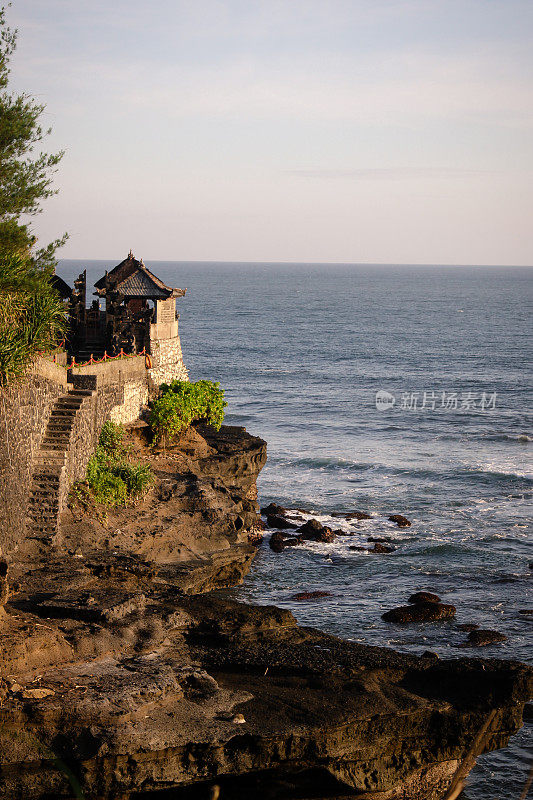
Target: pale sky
{"x": 286, "y": 130}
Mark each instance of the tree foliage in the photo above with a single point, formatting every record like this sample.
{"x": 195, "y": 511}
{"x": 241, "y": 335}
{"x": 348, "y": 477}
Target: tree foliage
{"x": 32, "y": 315}
{"x": 180, "y": 403}
{"x": 25, "y": 171}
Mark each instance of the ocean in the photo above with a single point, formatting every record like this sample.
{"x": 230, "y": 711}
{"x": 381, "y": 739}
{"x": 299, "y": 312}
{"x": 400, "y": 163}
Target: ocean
{"x": 302, "y": 350}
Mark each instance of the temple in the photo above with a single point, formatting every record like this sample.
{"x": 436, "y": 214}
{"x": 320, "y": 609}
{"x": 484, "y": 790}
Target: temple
{"x": 139, "y": 316}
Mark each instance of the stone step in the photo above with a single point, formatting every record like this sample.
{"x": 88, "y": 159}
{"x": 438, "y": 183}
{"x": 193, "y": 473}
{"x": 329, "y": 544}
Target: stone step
{"x": 59, "y": 428}
{"x": 43, "y": 494}
{"x": 42, "y": 512}
{"x": 43, "y": 519}
{"x": 80, "y": 393}
{"x": 43, "y": 490}
{"x": 56, "y": 441}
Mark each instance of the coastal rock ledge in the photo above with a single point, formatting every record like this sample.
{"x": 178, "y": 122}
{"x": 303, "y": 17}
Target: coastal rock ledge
{"x": 121, "y": 678}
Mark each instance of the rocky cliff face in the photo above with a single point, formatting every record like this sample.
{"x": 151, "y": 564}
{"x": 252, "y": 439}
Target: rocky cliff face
{"x": 121, "y": 679}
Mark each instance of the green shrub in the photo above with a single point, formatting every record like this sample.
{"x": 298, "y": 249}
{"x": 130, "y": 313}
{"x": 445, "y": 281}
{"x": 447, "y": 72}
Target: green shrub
{"x": 181, "y": 403}
{"x": 111, "y": 477}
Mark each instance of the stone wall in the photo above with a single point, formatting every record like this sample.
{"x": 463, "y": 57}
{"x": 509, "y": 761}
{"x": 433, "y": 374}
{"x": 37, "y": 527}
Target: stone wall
{"x": 94, "y": 411}
{"x": 167, "y": 361}
{"x": 25, "y": 407}
{"x": 120, "y": 391}
{"x": 128, "y": 378}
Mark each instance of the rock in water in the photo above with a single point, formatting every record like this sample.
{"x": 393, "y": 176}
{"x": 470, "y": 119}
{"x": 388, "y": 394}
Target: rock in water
{"x": 274, "y": 509}
{"x": 313, "y": 531}
{"x": 277, "y": 542}
{"x": 310, "y": 595}
{"x": 420, "y": 612}
{"x": 482, "y": 638}
{"x": 400, "y": 520}
{"x": 382, "y": 548}
{"x": 424, "y": 597}
{"x": 274, "y": 521}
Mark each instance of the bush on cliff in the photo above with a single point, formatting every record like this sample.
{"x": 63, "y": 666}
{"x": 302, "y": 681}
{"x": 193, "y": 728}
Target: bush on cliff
{"x": 32, "y": 315}
{"x": 181, "y": 403}
{"x": 112, "y": 478}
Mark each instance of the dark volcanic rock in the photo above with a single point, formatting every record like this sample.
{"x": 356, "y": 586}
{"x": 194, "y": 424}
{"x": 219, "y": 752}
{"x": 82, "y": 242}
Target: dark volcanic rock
{"x": 482, "y": 638}
{"x": 274, "y": 509}
{"x": 192, "y": 690}
{"x": 382, "y": 548}
{"x": 430, "y": 654}
{"x": 313, "y": 531}
{"x": 382, "y": 539}
{"x": 318, "y": 595}
{"x": 277, "y": 542}
{"x": 401, "y": 521}
{"x": 274, "y": 521}
{"x": 357, "y": 515}
{"x": 424, "y": 597}
{"x": 420, "y": 612}
{"x": 467, "y": 626}
{"x": 122, "y": 681}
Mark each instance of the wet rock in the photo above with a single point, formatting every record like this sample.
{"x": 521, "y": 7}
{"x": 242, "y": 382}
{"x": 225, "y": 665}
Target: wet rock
{"x": 357, "y": 515}
{"x": 277, "y": 542}
{"x": 420, "y": 612}
{"x": 274, "y": 509}
{"x": 467, "y": 627}
{"x": 482, "y": 638}
{"x": 275, "y": 521}
{"x": 400, "y": 520}
{"x": 430, "y": 655}
{"x": 359, "y": 547}
{"x": 381, "y": 539}
{"x": 526, "y": 611}
{"x": 528, "y": 712}
{"x": 292, "y": 541}
{"x": 424, "y": 597}
{"x": 313, "y": 531}
{"x": 382, "y": 548}
{"x": 310, "y": 595}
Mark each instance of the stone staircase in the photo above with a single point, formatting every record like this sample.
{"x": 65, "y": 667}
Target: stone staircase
{"x": 49, "y": 466}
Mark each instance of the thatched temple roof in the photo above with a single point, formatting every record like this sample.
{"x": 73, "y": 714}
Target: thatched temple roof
{"x": 133, "y": 279}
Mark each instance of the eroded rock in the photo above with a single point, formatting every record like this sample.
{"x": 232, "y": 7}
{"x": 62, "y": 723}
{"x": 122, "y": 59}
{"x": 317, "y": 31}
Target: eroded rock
{"x": 316, "y": 595}
{"x": 420, "y": 612}
{"x": 482, "y": 638}
{"x": 314, "y": 531}
{"x": 400, "y": 520}
{"x": 275, "y": 521}
{"x": 424, "y": 597}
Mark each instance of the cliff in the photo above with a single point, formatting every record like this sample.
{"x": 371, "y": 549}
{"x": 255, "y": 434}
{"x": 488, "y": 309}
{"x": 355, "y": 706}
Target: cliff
{"x": 121, "y": 678}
